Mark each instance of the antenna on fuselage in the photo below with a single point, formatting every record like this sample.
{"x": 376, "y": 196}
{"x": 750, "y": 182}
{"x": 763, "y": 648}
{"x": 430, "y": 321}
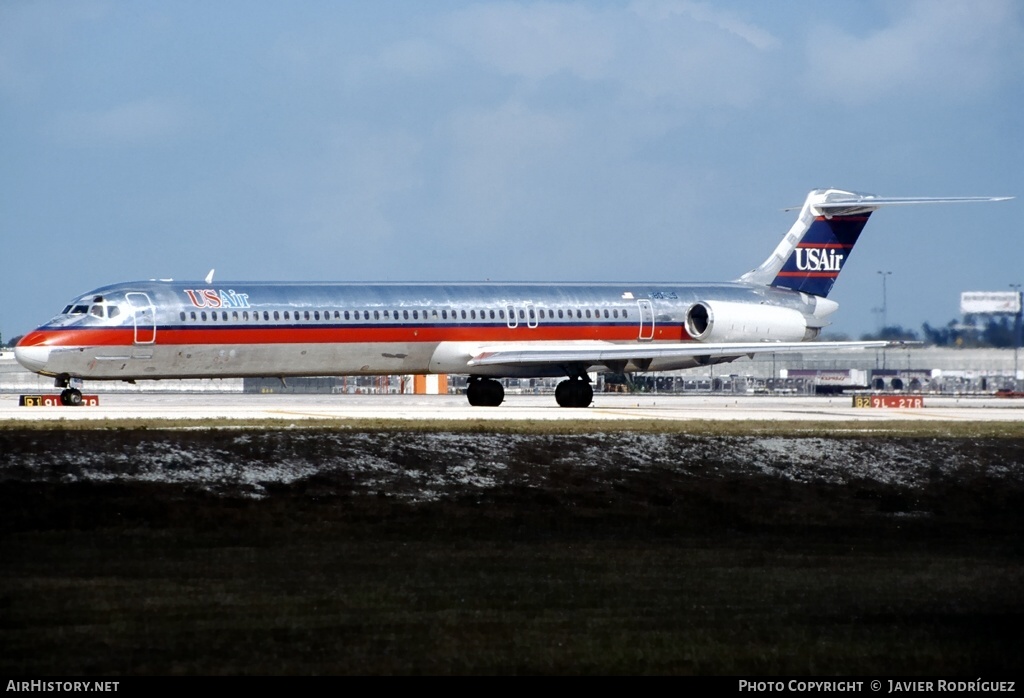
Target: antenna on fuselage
{"x": 209, "y": 277}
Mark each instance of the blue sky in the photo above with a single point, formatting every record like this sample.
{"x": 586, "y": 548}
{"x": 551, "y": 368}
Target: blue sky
{"x": 552, "y": 141}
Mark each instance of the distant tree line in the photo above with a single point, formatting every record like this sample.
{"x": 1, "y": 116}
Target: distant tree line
{"x": 994, "y": 331}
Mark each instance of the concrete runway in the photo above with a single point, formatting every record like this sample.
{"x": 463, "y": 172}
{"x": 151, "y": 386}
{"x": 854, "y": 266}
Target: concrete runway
{"x": 199, "y": 407}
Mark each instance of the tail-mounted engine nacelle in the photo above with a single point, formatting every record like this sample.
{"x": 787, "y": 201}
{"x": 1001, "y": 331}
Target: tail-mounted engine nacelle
{"x": 724, "y": 321}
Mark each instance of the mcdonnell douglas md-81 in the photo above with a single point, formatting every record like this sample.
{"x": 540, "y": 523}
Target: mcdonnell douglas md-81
{"x": 167, "y": 329}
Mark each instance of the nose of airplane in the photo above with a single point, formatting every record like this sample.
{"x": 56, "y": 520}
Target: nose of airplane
{"x": 34, "y": 358}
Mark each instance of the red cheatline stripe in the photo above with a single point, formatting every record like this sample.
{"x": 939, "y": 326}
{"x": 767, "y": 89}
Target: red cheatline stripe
{"x": 345, "y": 335}
{"x": 811, "y": 274}
{"x": 826, "y": 245}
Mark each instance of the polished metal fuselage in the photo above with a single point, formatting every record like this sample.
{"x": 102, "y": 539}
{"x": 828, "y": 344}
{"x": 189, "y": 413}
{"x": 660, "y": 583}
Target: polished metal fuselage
{"x": 165, "y": 329}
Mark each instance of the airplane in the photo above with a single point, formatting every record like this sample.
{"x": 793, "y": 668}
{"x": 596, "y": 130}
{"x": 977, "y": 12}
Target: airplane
{"x": 197, "y": 329}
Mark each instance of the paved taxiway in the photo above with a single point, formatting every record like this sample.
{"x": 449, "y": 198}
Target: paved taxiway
{"x": 516, "y": 407}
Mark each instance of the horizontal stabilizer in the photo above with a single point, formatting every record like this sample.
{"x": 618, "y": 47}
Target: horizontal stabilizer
{"x": 865, "y": 203}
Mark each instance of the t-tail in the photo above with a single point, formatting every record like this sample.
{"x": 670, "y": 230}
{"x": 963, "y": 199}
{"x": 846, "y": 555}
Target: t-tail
{"x": 815, "y": 249}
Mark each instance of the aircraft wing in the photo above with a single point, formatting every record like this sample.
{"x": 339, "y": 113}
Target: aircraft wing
{"x": 604, "y": 353}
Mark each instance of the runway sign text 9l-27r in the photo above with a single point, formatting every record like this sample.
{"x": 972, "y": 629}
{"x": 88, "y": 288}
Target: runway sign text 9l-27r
{"x": 892, "y": 401}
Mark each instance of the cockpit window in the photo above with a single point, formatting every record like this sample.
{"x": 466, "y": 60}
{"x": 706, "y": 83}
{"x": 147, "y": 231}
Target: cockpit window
{"x": 79, "y": 310}
{"x": 113, "y": 311}
{"x": 97, "y": 310}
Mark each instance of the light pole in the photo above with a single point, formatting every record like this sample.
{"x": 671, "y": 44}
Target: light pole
{"x": 885, "y": 305}
{"x": 1016, "y": 331}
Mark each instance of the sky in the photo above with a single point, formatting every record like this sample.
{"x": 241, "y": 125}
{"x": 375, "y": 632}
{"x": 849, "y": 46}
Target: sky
{"x": 536, "y": 141}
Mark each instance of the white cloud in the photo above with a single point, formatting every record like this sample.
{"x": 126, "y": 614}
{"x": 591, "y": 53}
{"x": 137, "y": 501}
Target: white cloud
{"x": 354, "y": 191}
{"x": 415, "y": 57}
{"x": 705, "y": 13}
{"x": 495, "y": 152}
{"x": 537, "y": 40}
{"x": 142, "y": 122}
{"x": 688, "y": 53}
{"x": 948, "y": 47}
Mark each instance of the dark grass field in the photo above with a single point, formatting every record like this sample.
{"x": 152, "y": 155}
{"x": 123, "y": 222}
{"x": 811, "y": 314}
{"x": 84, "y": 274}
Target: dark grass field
{"x": 570, "y": 558}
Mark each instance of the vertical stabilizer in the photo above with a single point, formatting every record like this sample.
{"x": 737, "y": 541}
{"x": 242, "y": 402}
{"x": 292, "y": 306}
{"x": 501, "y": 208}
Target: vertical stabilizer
{"x": 816, "y": 248}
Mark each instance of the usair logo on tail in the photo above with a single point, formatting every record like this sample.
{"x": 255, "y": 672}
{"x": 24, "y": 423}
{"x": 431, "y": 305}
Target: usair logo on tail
{"x": 815, "y": 259}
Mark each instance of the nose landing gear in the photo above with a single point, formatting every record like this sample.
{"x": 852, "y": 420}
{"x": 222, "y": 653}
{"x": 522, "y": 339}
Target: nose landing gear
{"x": 71, "y": 397}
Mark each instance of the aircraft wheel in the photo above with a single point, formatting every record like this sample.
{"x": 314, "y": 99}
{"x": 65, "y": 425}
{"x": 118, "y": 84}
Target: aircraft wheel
{"x": 72, "y": 397}
{"x": 494, "y": 393}
{"x": 574, "y": 393}
{"x": 586, "y": 394}
{"x": 484, "y": 392}
{"x": 562, "y": 394}
{"x": 474, "y": 392}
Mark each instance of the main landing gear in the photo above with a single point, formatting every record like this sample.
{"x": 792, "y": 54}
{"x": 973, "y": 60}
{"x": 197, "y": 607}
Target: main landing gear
{"x": 487, "y": 392}
{"x": 484, "y": 392}
{"x": 575, "y": 392}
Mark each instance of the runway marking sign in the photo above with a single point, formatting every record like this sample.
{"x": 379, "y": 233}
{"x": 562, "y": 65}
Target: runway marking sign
{"x": 54, "y": 401}
{"x": 889, "y": 401}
